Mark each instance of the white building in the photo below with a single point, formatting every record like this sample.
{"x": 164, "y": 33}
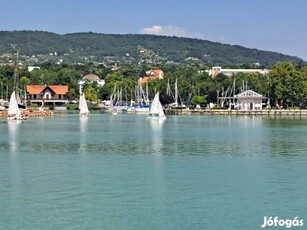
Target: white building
{"x": 214, "y": 71}
{"x": 249, "y": 100}
{"x": 31, "y": 68}
{"x": 90, "y": 77}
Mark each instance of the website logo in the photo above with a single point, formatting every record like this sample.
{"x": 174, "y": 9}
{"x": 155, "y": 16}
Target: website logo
{"x": 276, "y": 222}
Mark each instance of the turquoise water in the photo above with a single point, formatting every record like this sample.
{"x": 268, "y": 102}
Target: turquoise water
{"x": 128, "y": 172}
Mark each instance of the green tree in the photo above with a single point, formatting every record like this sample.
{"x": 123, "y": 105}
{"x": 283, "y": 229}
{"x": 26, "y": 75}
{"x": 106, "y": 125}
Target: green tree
{"x": 23, "y": 82}
{"x": 287, "y": 83}
{"x": 254, "y": 81}
{"x": 200, "y": 100}
{"x": 90, "y": 93}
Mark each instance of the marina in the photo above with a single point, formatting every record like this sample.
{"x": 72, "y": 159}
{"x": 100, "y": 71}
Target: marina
{"x": 186, "y": 115}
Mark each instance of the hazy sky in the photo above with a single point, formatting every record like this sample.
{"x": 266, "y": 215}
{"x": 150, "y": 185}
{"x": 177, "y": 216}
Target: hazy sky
{"x": 273, "y": 25}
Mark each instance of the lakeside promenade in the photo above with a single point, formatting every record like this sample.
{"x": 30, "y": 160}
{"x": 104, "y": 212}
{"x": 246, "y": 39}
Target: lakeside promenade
{"x": 273, "y": 112}
{"x": 169, "y": 111}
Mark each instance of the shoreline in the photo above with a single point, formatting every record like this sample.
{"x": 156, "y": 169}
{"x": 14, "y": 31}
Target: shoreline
{"x": 273, "y": 112}
{"x": 30, "y": 113}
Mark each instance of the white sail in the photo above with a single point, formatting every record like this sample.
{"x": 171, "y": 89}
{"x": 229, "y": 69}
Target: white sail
{"x": 13, "y": 112}
{"x": 161, "y": 112}
{"x": 113, "y": 111}
{"x": 83, "y": 106}
{"x": 156, "y": 109}
{"x": 18, "y": 99}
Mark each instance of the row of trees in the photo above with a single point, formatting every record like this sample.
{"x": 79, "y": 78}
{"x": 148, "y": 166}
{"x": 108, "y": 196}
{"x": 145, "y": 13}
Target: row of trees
{"x": 286, "y": 83}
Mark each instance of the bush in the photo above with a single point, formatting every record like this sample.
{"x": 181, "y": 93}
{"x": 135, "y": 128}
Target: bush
{"x": 201, "y": 100}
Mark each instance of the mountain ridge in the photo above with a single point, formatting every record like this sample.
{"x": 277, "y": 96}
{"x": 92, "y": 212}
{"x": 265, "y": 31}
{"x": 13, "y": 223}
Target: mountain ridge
{"x": 42, "y": 46}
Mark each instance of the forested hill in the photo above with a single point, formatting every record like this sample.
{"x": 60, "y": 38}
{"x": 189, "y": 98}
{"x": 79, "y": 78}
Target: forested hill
{"x": 37, "y": 46}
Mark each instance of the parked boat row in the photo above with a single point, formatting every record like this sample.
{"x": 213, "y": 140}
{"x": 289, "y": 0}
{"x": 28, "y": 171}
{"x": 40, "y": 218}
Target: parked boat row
{"x": 154, "y": 111}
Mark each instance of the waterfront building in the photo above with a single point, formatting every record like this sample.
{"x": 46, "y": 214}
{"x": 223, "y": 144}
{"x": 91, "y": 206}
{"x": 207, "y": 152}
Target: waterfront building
{"x": 50, "y": 95}
{"x": 246, "y": 100}
{"x": 249, "y": 100}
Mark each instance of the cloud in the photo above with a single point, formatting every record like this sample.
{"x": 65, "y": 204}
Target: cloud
{"x": 165, "y": 30}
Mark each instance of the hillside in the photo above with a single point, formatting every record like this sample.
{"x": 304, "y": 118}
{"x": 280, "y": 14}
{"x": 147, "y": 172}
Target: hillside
{"x": 37, "y": 47}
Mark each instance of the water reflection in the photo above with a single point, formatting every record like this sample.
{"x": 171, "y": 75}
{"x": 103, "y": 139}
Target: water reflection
{"x": 157, "y": 135}
{"x": 83, "y": 135}
{"x": 13, "y": 127}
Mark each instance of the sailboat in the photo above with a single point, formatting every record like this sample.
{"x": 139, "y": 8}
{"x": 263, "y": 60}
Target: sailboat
{"x": 14, "y": 112}
{"x": 156, "y": 110}
{"x": 142, "y": 99}
{"x": 84, "y": 112}
{"x": 176, "y": 96}
{"x": 114, "y": 112}
{"x": 16, "y": 86}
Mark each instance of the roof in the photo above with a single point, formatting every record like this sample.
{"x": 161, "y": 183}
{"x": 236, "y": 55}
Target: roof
{"x": 59, "y": 89}
{"x": 249, "y": 94}
{"x": 37, "y": 89}
{"x": 91, "y": 77}
{"x": 155, "y": 73}
{"x": 144, "y": 80}
{"x": 152, "y": 74}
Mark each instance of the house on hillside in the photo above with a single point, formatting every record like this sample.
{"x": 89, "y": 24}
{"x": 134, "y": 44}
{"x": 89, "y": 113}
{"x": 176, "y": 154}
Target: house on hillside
{"x": 49, "y": 95}
{"x": 152, "y": 74}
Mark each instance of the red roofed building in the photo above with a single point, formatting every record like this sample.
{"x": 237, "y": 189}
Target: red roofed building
{"x": 50, "y": 95}
{"x": 152, "y": 74}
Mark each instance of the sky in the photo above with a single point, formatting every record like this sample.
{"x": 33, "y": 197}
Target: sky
{"x": 270, "y": 25}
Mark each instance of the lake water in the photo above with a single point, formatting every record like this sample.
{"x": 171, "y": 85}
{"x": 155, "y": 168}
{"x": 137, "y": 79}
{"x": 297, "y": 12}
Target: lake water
{"x": 129, "y": 172}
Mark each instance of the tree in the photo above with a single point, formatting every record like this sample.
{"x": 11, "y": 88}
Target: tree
{"x": 287, "y": 84}
{"x": 254, "y": 81}
{"x": 23, "y": 82}
{"x": 200, "y": 100}
{"x": 90, "y": 93}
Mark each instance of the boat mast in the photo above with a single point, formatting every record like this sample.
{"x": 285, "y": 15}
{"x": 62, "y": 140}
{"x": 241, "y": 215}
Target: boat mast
{"x": 147, "y": 98}
{"x": 15, "y": 87}
{"x": 176, "y": 93}
{"x": 168, "y": 89}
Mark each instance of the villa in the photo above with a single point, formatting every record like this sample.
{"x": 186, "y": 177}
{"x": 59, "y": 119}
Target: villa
{"x": 47, "y": 94}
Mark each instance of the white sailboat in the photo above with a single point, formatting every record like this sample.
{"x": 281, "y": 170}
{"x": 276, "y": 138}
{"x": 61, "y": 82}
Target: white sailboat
{"x": 84, "y": 112}
{"x": 176, "y": 96}
{"x": 14, "y": 111}
{"x": 16, "y": 86}
{"x": 156, "y": 110}
{"x": 113, "y": 111}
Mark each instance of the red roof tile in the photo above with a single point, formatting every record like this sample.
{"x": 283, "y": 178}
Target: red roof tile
{"x": 37, "y": 89}
{"x": 153, "y": 74}
{"x": 59, "y": 89}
